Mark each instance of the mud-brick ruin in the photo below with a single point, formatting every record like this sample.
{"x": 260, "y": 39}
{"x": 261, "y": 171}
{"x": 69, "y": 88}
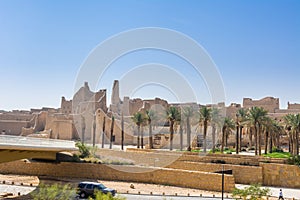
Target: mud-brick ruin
{"x": 84, "y": 116}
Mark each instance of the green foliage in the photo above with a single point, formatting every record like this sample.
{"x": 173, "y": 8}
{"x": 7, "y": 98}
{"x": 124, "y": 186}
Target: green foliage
{"x": 84, "y": 150}
{"x": 278, "y": 155}
{"x": 173, "y": 114}
{"x": 138, "y": 118}
{"x": 86, "y": 154}
{"x": 294, "y": 160}
{"x": 217, "y": 150}
{"x": 228, "y": 150}
{"x": 53, "y": 192}
{"x": 100, "y": 196}
{"x": 278, "y": 150}
{"x": 253, "y": 192}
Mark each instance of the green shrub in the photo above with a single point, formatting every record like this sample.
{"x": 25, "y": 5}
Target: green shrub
{"x": 278, "y": 150}
{"x": 295, "y": 160}
{"x": 278, "y": 155}
{"x": 253, "y": 192}
{"x": 53, "y": 192}
{"x": 84, "y": 150}
{"x": 100, "y": 196}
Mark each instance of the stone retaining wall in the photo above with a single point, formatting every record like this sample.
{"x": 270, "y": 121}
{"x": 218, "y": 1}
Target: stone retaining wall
{"x": 242, "y": 174}
{"x": 174, "y": 177}
{"x": 281, "y": 175}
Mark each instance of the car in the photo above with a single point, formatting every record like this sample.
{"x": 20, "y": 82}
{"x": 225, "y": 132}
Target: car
{"x": 86, "y": 189}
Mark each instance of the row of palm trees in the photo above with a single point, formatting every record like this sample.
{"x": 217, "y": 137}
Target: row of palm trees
{"x": 254, "y": 121}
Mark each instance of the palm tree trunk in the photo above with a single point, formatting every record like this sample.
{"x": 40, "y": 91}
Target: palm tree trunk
{"x": 266, "y": 141}
{"x": 188, "y": 134}
{"x": 259, "y": 140}
{"x": 226, "y": 139}
{"x": 181, "y": 137}
{"x": 223, "y": 139}
{"x": 111, "y": 132}
{"x": 250, "y": 137}
{"x": 213, "y": 137}
{"x": 237, "y": 139}
{"x": 103, "y": 132}
{"x": 297, "y": 143}
{"x": 138, "y": 136}
{"x": 278, "y": 141}
{"x": 122, "y": 132}
{"x": 171, "y": 134}
{"x": 150, "y": 136}
{"x": 241, "y": 131}
{"x": 291, "y": 148}
{"x": 204, "y": 136}
{"x": 142, "y": 138}
{"x": 255, "y": 138}
{"x": 270, "y": 142}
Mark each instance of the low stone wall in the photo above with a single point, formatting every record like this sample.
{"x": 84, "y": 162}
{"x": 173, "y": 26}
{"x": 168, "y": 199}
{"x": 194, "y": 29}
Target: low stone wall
{"x": 281, "y": 175}
{"x": 242, "y": 174}
{"x": 175, "y": 177}
{"x": 205, "y": 158}
{"x": 230, "y": 159}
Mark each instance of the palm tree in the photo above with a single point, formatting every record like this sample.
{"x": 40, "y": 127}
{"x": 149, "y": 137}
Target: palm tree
{"x": 188, "y": 113}
{"x": 205, "y": 117}
{"x": 103, "y": 131}
{"x": 94, "y": 130}
{"x": 256, "y": 116}
{"x": 293, "y": 125}
{"x": 241, "y": 117}
{"x": 215, "y": 119}
{"x": 122, "y": 132}
{"x": 228, "y": 125}
{"x": 173, "y": 116}
{"x": 268, "y": 128}
{"x": 276, "y": 131}
{"x": 181, "y": 135}
{"x": 112, "y": 131}
{"x": 138, "y": 119}
{"x": 150, "y": 115}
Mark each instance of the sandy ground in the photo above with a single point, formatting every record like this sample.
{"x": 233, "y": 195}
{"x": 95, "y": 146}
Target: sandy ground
{"x": 34, "y": 180}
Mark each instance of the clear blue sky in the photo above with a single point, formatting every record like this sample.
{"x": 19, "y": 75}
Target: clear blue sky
{"x": 255, "y": 44}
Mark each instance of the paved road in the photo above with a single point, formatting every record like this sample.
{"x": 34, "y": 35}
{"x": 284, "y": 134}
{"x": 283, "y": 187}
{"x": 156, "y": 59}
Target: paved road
{"x": 147, "y": 197}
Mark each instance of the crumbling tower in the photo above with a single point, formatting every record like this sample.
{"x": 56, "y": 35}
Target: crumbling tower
{"x": 115, "y": 98}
